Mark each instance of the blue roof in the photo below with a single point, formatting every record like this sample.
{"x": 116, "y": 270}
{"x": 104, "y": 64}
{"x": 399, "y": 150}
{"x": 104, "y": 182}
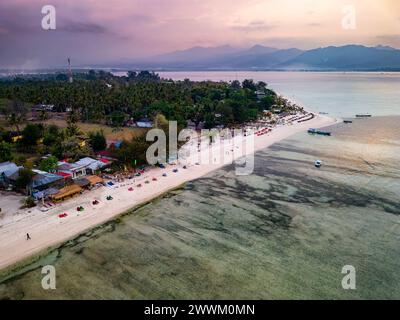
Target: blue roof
{"x": 42, "y": 194}
{"x": 8, "y": 168}
{"x": 144, "y": 123}
{"x": 118, "y": 143}
{"x": 90, "y": 163}
{"x": 43, "y": 179}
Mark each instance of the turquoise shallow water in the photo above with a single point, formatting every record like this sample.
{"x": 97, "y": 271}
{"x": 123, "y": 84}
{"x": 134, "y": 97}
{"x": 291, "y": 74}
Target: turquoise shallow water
{"x": 285, "y": 231}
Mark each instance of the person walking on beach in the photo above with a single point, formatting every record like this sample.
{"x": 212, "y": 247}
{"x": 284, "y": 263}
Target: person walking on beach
{"x": 28, "y": 237}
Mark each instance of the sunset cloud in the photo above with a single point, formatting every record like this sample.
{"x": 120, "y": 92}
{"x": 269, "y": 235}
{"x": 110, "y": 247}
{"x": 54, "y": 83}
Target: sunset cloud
{"x": 100, "y": 31}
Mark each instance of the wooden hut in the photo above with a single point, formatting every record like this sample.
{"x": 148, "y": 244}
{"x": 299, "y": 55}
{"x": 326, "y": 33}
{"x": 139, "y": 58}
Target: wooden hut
{"x": 66, "y": 192}
{"x": 94, "y": 180}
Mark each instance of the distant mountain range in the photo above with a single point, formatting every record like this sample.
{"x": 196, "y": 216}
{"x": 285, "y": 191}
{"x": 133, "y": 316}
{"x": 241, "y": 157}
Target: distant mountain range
{"x": 258, "y": 57}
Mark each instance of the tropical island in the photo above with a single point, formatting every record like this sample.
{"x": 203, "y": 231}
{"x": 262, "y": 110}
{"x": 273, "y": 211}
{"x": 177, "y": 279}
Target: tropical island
{"x": 48, "y": 118}
{"x": 73, "y": 151}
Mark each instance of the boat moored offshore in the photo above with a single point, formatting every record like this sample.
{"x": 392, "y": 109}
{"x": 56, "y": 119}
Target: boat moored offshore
{"x": 365, "y": 115}
{"x": 320, "y": 132}
{"x": 318, "y": 163}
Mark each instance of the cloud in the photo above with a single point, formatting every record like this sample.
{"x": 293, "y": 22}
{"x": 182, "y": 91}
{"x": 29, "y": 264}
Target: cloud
{"x": 141, "y": 18}
{"x": 314, "y": 24}
{"x": 388, "y": 39}
{"x": 83, "y": 27}
{"x": 254, "y": 26}
{"x": 96, "y": 31}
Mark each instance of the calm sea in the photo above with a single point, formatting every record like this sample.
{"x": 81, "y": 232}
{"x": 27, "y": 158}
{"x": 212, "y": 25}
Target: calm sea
{"x": 340, "y": 94}
{"x": 286, "y": 231}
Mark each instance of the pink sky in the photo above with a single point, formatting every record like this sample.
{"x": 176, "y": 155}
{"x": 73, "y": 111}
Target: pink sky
{"x": 95, "y": 31}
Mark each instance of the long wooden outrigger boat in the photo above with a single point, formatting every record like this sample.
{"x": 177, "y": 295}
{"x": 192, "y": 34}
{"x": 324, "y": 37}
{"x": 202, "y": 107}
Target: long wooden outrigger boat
{"x": 366, "y": 115}
{"x": 320, "y": 132}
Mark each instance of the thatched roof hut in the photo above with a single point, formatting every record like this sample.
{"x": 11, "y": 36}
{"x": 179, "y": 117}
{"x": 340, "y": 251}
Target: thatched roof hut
{"x": 66, "y": 192}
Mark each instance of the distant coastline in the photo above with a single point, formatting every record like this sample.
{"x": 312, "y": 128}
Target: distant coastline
{"x": 116, "y": 71}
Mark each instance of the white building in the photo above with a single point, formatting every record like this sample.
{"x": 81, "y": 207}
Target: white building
{"x": 81, "y": 168}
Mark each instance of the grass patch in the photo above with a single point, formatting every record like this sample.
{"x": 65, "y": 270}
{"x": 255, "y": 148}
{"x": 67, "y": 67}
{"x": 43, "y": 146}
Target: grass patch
{"x": 109, "y": 132}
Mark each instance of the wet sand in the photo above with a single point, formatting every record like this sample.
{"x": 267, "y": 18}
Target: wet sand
{"x": 284, "y": 232}
{"x": 47, "y": 230}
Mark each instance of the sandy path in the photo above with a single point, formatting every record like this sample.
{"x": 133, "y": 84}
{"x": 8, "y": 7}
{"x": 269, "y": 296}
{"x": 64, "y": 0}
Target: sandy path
{"x": 47, "y": 229}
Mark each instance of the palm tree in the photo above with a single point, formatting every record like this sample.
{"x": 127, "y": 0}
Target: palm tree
{"x": 15, "y": 113}
{"x": 43, "y": 116}
{"x": 15, "y": 120}
{"x": 72, "y": 127}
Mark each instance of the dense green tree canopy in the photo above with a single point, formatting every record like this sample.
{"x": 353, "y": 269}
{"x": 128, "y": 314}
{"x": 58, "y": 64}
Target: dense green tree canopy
{"x": 98, "y": 96}
{"x": 132, "y": 152}
{"x": 24, "y": 178}
{"x": 31, "y": 134}
{"x": 98, "y": 141}
{"x": 48, "y": 164}
{"x": 5, "y": 151}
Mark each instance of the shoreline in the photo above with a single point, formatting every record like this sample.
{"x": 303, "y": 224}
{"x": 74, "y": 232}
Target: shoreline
{"x": 50, "y": 233}
{"x": 32, "y": 262}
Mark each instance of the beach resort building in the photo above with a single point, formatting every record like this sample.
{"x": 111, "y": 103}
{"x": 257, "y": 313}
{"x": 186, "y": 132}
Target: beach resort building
{"x": 70, "y": 170}
{"x": 44, "y": 184}
{"x": 144, "y": 123}
{"x": 43, "y": 107}
{"x": 83, "y": 167}
{"x": 7, "y": 171}
{"x": 68, "y": 179}
{"x": 43, "y": 180}
{"x": 66, "y": 192}
{"x": 114, "y": 144}
{"x": 89, "y": 182}
{"x": 260, "y": 94}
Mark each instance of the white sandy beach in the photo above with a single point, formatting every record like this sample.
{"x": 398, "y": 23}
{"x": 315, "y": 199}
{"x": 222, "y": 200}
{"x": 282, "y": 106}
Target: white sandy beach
{"x": 48, "y": 230}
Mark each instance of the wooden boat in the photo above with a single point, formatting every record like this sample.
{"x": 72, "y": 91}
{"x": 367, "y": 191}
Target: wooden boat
{"x": 320, "y": 132}
{"x": 366, "y": 115}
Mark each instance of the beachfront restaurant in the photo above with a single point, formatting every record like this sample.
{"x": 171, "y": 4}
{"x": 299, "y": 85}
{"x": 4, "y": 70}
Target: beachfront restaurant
{"x": 66, "y": 192}
{"x": 89, "y": 182}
